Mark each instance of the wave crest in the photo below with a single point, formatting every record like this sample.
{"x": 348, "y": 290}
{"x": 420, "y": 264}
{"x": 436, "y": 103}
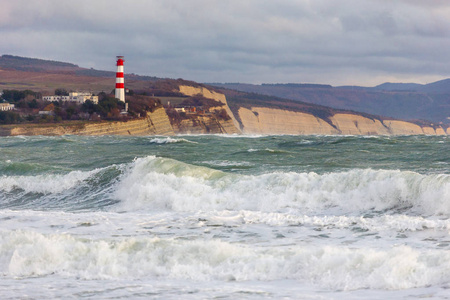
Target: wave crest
{"x": 157, "y": 183}
{"x": 45, "y": 184}
{"x": 169, "y": 140}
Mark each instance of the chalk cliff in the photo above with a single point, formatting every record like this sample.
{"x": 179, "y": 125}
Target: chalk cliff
{"x": 205, "y": 125}
{"x": 358, "y": 125}
{"x": 192, "y": 91}
{"x": 404, "y": 128}
{"x": 263, "y": 120}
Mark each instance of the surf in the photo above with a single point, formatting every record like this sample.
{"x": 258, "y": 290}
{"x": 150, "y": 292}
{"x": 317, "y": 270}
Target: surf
{"x": 29, "y": 254}
{"x": 155, "y": 183}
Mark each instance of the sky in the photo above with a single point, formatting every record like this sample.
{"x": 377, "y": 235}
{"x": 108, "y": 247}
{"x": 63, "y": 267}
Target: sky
{"x": 337, "y": 42}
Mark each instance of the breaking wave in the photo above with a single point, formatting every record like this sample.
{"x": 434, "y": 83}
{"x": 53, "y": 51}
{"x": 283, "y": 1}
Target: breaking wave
{"x": 153, "y": 183}
{"x": 25, "y": 254}
{"x": 169, "y": 140}
{"x": 74, "y": 190}
{"x": 45, "y": 184}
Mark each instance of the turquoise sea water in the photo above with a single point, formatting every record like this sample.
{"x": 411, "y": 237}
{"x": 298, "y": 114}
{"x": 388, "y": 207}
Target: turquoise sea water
{"x": 233, "y": 217}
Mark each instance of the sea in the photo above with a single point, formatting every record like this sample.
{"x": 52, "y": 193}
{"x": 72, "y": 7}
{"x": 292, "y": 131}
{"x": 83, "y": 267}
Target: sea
{"x": 225, "y": 217}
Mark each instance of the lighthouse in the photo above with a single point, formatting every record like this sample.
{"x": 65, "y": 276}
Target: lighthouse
{"x": 120, "y": 83}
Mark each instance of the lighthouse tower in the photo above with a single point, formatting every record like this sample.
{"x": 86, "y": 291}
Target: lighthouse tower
{"x": 120, "y": 85}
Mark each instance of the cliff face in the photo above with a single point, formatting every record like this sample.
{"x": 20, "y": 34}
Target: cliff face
{"x": 205, "y": 125}
{"x": 262, "y": 120}
{"x": 397, "y": 101}
{"x": 358, "y": 125}
{"x": 192, "y": 91}
{"x": 402, "y": 127}
{"x": 156, "y": 123}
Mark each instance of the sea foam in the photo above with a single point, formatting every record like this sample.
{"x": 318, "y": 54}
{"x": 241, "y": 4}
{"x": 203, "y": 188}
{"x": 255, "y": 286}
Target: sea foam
{"x": 169, "y": 140}
{"x": 49, "y": 183}
{"x": 159, "y": 183}
{"x": 25, "y": 254}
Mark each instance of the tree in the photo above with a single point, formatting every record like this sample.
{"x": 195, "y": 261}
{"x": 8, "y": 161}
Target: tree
{"x": 9, "y": 117}
{"x": 107, "y": 107}
{"x": 89, "y": 107}
{"x": 16, "y": 95}
{"x": 33, "y": 104}
{"x": 109, "y": 104}
{"x": 60, "y": 113}
{"x": 70, "y": 111}
{"x": 61, "y": 92}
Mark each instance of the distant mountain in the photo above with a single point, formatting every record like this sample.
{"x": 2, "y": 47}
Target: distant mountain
{"x": 388, "y": 86}
{"x": 47, "y": 75}
{"x": 34, "y": 64}
{"x": 408, "y": 101}
{"x": 442, "y": 86}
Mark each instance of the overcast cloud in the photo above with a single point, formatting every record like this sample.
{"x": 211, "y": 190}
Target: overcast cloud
{"x": 362, "y": 42}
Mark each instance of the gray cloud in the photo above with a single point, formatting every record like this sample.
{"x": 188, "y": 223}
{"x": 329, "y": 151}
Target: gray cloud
{"x": 324, "y": 41}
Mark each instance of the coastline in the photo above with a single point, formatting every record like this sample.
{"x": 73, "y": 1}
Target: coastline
{"x": 257, "y": 120}
{"x": 246, "y": 120}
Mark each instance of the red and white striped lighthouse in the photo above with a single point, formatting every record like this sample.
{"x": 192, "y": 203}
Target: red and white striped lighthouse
{"x": 120, "y": 83}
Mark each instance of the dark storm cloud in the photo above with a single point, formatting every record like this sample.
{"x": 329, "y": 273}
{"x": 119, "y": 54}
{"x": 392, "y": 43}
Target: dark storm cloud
{"x": 324, "y": 41}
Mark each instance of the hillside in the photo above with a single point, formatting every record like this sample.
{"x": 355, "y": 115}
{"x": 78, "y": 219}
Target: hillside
{"x": 45, "y": 76}
{"x": 429, "y": 102}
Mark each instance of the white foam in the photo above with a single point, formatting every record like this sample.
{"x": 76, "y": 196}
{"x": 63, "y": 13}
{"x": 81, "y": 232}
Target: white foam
{"x": 158, "y": 183}
{"x": 49, "y": 183}
{"x": 168, "y": 140}
{"x": 227, "y": 163}
{"x": 395, "y": 223}
{"x": 25, "y": 253}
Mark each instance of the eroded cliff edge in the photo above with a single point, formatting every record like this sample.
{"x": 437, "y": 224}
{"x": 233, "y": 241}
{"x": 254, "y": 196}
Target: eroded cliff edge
{"x": 232, "y": 128}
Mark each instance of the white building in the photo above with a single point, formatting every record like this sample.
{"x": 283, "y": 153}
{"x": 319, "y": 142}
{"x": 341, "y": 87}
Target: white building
{"x": 77, "y": 97}
{"x": 6, "y": 106}
{"x": 55, "y": 98}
